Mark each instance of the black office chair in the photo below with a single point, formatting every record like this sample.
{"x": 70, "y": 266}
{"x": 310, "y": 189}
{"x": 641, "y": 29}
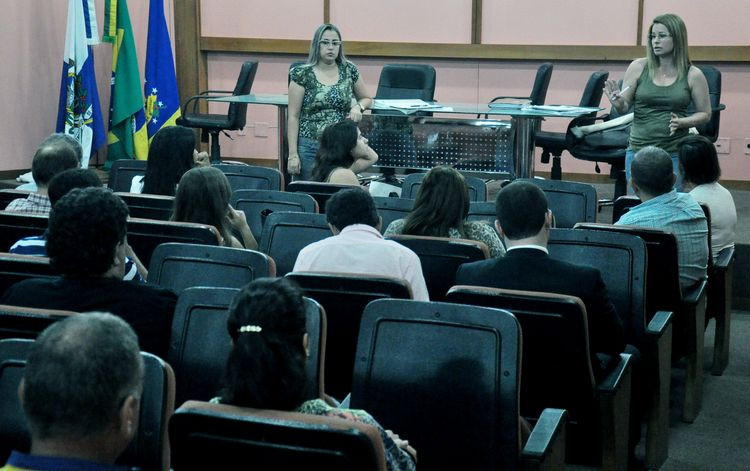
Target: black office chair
{"x": 554, "y": 143}
{"x": 538, "y": 91}
{"x": 214, "y": 123}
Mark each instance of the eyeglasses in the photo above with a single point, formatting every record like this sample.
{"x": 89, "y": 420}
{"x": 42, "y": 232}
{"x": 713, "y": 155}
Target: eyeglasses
{"x": 661, "y": 36}
{"x": 328, "y": 42}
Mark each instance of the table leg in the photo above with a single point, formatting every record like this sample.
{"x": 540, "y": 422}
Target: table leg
{"x": 524, "y": 146}
{"x": 283, "y": 145}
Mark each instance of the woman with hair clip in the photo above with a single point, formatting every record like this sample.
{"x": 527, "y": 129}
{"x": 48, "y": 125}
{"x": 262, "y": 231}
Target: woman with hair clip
{"x": 660, "y": 87}
{"x": 342, "y": 154}
{"x": 203, "y": 197}
{"x": 323, "y": 91}
{"x": 700, "y": 171}
{"x": 170, "y": 154}
{"x": 440, "y": 210}
{"x": 266, "y": 366}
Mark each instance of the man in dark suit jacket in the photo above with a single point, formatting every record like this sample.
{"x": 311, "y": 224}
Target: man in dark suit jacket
{"x": 524, "y": 221}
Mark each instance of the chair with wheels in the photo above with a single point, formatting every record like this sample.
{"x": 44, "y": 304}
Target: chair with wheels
{"x": 213, "y": 123}
{"x": 538, "y": 91}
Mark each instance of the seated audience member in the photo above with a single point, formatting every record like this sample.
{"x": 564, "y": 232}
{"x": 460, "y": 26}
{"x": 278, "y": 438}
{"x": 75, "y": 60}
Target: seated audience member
{"x": 700, "y": 175}
{"x": 80, "y": 393}
{"x": 266, "y": 366}
{"x": 440, "y": 210}
{"x": 171, "y": 154}
{"x": 357, "y": 245}
{"x": 59, "y": 186}
{"x": 343, "y": 153}
{"x": 524, "y": 221}
{"x": 86, "y": 243}
{"x": 203, "y": 197}
{"x": 662, "y": 207}
{"x": 56, "y": 153}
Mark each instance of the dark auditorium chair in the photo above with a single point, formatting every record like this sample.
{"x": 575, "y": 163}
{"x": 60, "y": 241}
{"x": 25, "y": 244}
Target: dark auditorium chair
{"x": 18, "y": 322}
{"x": 286, "y": 233}
{"x": 482, "y": 211}
{"x": 390, "y": 209}
{"x": 177, "y": 266}
{"x": 214, "y": 123}
{"x": 554, "y": 143}
{"x": 150, "y": 448}
{"x": 440, "y": 258}
{"x": 446, "y": 376}
{"x": 344, "y": 297}
{"x": 251, "y": 177}
{"x": 204, "y": 434}
{"x": 557, "y": 371}
{"x": 622, "y": 205}
{"x": 9, "y": 194}
{"x": 570, "y": 202}
{"x": 15, "y": 226}
{"x": 121, "y": 174}
{"x": 258, "y": 204}
{"x": 199, "y": 345}
{"x": 144, "y": 235}
{"x": 538, "y": 91}
{"x": 412, "y": 182}
{"x": 15, "y": 268}
{"x": 144, "y": 206}
{"x": 319, "y": 190}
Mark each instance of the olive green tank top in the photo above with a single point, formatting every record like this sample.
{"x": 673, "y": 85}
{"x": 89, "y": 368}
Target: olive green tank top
{"x": 653, "y": 106}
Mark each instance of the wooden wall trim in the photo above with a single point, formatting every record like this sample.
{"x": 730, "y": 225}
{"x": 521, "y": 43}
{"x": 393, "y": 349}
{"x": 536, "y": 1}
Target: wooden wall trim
{"x": 469, "y": 51}
{"x": 476, "y": 21}
{"x": 326, "y": 11}
{"x": 189, "y": 59}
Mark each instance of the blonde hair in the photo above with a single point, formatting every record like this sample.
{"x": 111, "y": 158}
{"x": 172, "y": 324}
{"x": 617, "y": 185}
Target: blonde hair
{"x": 677, "y": 30}
{"x": 314, "y": 56}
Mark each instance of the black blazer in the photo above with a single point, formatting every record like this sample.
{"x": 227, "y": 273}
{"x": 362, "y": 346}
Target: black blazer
{"x": 530, "y": 269}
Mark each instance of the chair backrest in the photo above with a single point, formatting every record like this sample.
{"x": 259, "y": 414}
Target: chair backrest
{"x": 713, "y": 77}
{"x": 570, "y": 202}
{"x": 177, "y": 266}
{"x": 344, "y": 297}
{"x": 541, "y": 84}
{"x": 417, "y": 361}
{"x": 258, "y": 204}
{"x": 557, "y": 370}
{"x": 237, "y": 113}
{"x": 9, "y": 194}
{"x": 622, "y": 205}
{"x": 405, "y": 81}
{"x": 122, "y": 172}
{"x": 15, "y": 226}
{"x": 199, "y": 345}
{"x": 143, "y": 206}
{"x": 149, "y": 449}
{"x": 592, "y": 93}
{"x": 203, "y": 434}
{"x": 390, "y": 209}
{"x": 144, "y": 235}
{"x": 251, "y": 177}
{"x": 482, "y": 211}
{"x": 440, "y": 258}
{"x": 318, "y": 190}
{"x": 621, "y": 260}
{"x": 15, "y": 268}
{"x": 285, "y": 234}
{"x": 412, "y": 182}
{"x": 18, "y": 322}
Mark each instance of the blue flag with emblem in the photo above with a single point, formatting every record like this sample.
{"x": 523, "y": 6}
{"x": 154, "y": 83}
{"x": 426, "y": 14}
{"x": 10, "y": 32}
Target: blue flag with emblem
{"x": 160, "y": 88}
{"x": 79, "y": 113}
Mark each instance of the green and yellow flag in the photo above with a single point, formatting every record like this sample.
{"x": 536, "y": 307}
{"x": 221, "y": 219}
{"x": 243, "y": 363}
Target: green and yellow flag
{"x": 127, "y": 137}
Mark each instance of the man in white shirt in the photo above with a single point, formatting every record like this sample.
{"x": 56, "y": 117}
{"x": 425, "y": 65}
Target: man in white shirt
{"x": 357, "y": 245}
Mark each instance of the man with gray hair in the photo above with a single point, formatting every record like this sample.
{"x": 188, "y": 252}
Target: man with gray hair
{"x": 80, "y": 393}
{"x": 662, "y": 207}
{"x": 56, "y": 153}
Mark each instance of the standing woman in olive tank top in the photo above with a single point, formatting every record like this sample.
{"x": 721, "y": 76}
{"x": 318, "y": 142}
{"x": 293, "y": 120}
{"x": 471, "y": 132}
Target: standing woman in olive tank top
{"x": 660, "y": 87}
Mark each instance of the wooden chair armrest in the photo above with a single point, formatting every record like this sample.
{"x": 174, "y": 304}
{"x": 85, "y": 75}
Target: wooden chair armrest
{"x": 659, "y": 323}
{"x": 723, "y": 259}
{"x": 614, "y": 410}
{"x": 545, "y": 449}
{"x": 615, "y": 379}
{"x": 693, "y": 295}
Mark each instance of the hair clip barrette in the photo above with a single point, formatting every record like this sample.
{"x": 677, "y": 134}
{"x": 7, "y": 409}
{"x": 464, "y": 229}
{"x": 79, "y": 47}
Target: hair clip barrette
{"x": 249, "y": 328}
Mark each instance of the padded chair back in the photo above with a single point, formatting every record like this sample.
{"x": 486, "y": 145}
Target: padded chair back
{"x": 202, "y": 434}
{"x": 592, "y": 93}
{"x": 440, "y": 258}
{"x": 177, "y": 266}
{"x": 406, "y": 81}
{"x": 344, "y": 297}
{"x": 711, "y": 128}
{"x": 149, "y": 450}
{"x": 9, "y": 194}
{"x": 15, "y": 226}
{"x": 412, "y": 182}
{"x": 199, "y": 345}
{"x": 417, "y": 361}
{"x": 390, "y": 209}
{"x": 15, "y": 268}
{"x": 570, "y": 202}
{"x": 251, "y": 177}
{"x": 143, "y": 206}
{"x": 318, "y": 190}
{"x": 541, "y": 84}
{"x": 622, "y": 205}
{"x": 285, "y": 234}
{"x": 144, "y": 235}
{"x": 482, "y": 211}
{"x": 556, "y": 359}
{"x": 258, "y": 204}
{"x": 25, "y": 322}
{"x": 621, "y": 260}
{"x": 237, "y": 113}
{"x": 122, "y": 172}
